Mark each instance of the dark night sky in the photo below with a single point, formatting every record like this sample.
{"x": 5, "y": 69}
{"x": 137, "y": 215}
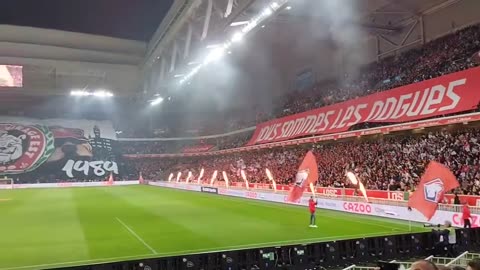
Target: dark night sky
{"x": 131, "y": 19}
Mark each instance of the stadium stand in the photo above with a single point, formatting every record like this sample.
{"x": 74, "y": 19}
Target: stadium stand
{"x": 445, "y": 55}
{"x": 385, "y": 162}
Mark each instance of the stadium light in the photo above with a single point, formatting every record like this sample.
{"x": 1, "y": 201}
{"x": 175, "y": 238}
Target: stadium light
{"x": 79, "y": 93}
{"x": 102, "y": 93}
{"x": 98, "y": 93}
{"x": 156, "y": 101}
{"x": 288, "y": 7}
{"x": 178, "y": 75}
{"x": 267, "y": 12}
{"x": 237, "y": 37}
{"x": 213, "y": 46}
{"x": 214, "y": 55}
{"x": 239, "y": 23}
{"x": 218, "y": 52}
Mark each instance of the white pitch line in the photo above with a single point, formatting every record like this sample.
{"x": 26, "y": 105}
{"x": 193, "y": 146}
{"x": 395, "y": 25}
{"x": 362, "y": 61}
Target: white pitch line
{"x": 136, "y": 236}
{"x": 200, "y": 251}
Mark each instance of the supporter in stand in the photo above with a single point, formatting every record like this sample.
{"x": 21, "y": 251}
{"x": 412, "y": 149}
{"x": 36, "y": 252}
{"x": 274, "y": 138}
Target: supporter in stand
{"x": 423, "y": 265}
{"x": 473, "y": 264}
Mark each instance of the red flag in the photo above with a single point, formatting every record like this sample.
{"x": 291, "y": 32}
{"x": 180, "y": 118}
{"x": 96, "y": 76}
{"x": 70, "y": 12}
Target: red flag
{"x": 436, "y": 180}
{"x": 307, "y": 173}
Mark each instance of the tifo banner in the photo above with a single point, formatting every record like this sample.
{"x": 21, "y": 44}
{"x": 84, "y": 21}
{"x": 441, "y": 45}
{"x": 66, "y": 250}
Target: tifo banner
{"x": 197, "y": 148}
{"x": 56, "y": 149}
{"x": 362, "y": 208}
{"x": 453, "y": 93}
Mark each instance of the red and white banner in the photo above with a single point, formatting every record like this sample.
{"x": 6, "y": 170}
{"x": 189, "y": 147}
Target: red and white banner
{"x": 197, "y": 148}
{"x": 453, "y": 93}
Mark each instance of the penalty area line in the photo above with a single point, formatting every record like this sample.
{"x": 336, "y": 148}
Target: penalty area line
{"x": 136, "y": 236}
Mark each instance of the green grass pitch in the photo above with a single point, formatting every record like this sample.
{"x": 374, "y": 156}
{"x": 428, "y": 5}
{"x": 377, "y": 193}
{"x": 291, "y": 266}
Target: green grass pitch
{"x": 46, "y": 228}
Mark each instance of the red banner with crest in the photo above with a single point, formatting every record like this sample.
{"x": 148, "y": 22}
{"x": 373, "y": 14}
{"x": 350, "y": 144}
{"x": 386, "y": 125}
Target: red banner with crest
{"x": 453, "y": 93}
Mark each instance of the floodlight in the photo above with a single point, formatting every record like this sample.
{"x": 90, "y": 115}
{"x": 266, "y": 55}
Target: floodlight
{"x": 237, "y": 37}
{"x": 238, "y": 23}
{"x": 156, "y": 101}
{"x": 214, "y": 55}
{"x": 102, "y": 93}
{"x": 274, "y": 5}
{"x": 288, "y": 7}
{"x": 267, "y": 12}
{"x": 79, "y": 93}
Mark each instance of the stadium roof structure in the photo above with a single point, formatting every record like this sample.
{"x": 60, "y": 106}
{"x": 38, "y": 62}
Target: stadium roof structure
{"x": 193, "y": 30}
{"x": 125, "y": 19}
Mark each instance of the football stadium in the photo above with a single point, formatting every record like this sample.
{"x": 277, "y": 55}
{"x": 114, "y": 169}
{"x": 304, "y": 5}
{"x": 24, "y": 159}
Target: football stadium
{"x": 240, "y": 134}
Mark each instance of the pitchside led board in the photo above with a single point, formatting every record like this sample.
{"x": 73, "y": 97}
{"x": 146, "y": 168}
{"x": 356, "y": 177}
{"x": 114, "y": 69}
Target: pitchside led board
{"x": 11, "y": 76}
{"x": 56, "y": 149}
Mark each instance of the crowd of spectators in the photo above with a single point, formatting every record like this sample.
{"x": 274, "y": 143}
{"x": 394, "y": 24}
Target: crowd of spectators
{"x": 177, "y": 146}
{"x": 442, "y": 56}
{"x": 382, "y": 162}
{"x": 143, "y": 147}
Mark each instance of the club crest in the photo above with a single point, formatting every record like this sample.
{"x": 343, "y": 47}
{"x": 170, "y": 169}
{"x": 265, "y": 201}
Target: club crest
{"x": 23, "y": 147}
{"x": 301, "y": 176}
{"x": 433, "y": 190}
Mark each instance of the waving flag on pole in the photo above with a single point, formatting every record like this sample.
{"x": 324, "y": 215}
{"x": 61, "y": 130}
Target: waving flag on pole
{"x": 307, "y": 174}
{"x": 436, "y": 180}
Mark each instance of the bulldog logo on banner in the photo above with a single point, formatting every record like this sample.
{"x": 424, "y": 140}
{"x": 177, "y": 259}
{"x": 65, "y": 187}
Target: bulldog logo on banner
{"x": 23, "y": 148}
{"x": 50, "y": 149}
